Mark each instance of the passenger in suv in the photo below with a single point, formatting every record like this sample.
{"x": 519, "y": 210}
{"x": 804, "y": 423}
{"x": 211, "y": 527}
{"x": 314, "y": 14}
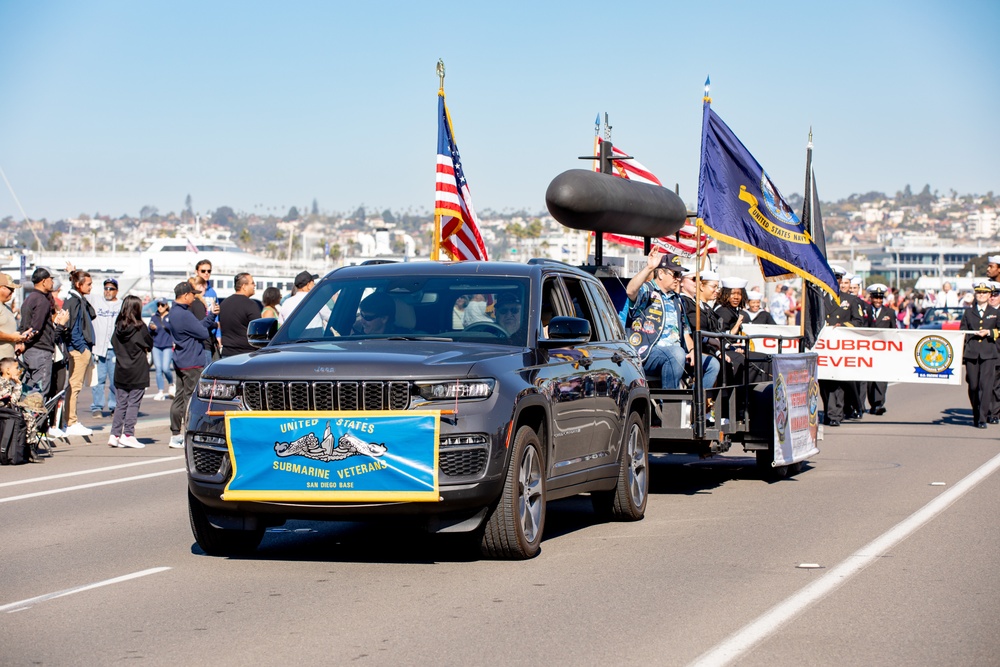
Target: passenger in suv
{"x": 325, "y": 422}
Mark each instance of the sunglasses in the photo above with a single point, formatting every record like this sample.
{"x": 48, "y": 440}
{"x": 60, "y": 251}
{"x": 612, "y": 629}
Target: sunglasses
{"x": 368, "y": 317}
{"x": 509, "y": 310}
{"x": 110, "y": 289}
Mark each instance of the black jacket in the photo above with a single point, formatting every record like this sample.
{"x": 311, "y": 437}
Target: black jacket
{"x": 132, "y": 365}
{"x": 885, "y": 318}
{"x": 977, "y": 348}
{"x": 36, "y": 313}
{"x": 235, "y": 313}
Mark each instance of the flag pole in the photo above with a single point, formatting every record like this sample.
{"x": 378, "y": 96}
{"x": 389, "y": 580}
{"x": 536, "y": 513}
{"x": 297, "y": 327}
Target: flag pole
{"x": 807, "y": 226}
{"x": 699, "y": 404}
{"x": 436, "y": 242}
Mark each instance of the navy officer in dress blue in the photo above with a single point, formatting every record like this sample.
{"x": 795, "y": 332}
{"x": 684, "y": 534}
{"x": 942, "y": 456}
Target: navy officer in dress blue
{"x": 981, "y": 322}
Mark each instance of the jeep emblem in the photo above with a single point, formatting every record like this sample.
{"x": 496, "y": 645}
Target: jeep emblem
{"x": 325, "y": 369}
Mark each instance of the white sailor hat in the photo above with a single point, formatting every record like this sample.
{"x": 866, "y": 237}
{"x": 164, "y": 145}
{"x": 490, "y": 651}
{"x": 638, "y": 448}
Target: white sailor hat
{"x": 878, "y": 289}
{"x": 983, "y": 286}
{"x": 753, "y": 295}
{"x": 733, "y": 282}
{"x": 855, "y": 280}
{"x": 993, "y": 259}
{"x": 707, "y": 276}
{"x": 838, "y": 270}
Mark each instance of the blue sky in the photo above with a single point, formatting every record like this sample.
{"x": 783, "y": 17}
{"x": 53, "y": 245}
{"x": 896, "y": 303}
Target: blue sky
{"x": 112, "y": 105}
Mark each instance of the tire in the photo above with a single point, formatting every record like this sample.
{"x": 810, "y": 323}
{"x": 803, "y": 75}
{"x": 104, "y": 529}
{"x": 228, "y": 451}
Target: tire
{"x": 767, "y": 471}
{"x": 220, "y": 541}
{"x": 627, "y": 502}
{"x": 514, "y": 528}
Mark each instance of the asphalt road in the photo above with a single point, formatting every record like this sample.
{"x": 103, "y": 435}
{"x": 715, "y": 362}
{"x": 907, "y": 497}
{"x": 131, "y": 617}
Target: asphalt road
{"x": 906, "y": 576}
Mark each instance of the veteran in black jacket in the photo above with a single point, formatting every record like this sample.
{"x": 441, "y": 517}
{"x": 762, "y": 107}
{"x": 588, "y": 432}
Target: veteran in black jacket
{"x": 981, "y": 321}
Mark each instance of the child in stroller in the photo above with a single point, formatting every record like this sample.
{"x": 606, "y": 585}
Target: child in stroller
{"x": 31, "y": 408}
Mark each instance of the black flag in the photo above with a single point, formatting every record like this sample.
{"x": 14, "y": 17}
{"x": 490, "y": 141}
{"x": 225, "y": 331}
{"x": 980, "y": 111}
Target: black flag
{"x": 814, "y": 311}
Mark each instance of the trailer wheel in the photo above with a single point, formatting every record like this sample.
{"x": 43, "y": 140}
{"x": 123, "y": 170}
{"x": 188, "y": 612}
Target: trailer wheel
{"x": 627, "y": 502}
{"x": 767, "y": 471}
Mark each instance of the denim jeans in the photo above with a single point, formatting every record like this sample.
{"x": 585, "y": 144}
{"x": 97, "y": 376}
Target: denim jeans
{"x": 668, "y": 363}
{"x": 710, "y": 370}
{"x": 105, "y": 378}
{"x": 39, "y": 362}
{"x": 163, "y": 360}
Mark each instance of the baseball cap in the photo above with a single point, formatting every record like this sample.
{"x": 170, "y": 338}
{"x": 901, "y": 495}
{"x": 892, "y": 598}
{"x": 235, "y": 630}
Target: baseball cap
{"x": 304, "y": 278}
{"x": 183, "y": 288}
{"x": 672, "y": 262}
{"x": 7, "y": 281}
{"x": 111, "y": 281}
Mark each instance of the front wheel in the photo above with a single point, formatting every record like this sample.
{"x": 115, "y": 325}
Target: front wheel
{"x": 220, "y": 541}
{"x": 627, "y": 502}
{"x": 514, "y": 529}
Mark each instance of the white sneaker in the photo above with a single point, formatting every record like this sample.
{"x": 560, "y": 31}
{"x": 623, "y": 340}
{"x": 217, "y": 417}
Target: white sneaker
{"x": 113, "y": 441}
{"x": 78, "y": 429}
{"x": 130, "y": 441}
{"x": 160, "y": 396}
{"x": 176, "y": 442}
{"x": 56, "y": 432}
{"x": 171, "y": 391}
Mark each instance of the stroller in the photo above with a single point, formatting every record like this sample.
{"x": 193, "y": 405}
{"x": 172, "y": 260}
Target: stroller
{"x": 40, "y": 413}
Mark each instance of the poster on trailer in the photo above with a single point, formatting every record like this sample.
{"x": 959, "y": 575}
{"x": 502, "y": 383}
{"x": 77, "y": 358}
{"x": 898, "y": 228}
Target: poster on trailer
{"x": 796, "y": 407}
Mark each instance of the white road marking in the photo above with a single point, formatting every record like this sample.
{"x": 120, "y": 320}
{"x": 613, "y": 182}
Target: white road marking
{"x": 773, "y": 620}
{"x": 24, "y": 604}
{"x": 90, "y": 486}
{"x": 90, "y": 472}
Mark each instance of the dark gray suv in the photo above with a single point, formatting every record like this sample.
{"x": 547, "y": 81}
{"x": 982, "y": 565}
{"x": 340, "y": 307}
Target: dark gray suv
{"x": 520, "y": 372}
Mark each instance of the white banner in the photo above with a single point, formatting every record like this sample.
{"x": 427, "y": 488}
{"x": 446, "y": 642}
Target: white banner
{"x": 796, "y": 407}
{"x": 922, "y": 356}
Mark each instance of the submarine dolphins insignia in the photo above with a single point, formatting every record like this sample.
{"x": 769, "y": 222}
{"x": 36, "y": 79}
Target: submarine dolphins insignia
{"x": 348, "y": 445}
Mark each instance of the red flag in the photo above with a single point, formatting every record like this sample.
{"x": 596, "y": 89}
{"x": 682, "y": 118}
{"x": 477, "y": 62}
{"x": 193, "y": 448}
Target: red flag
{"x": 460, "y": 236}
{"x": 687, "y": 242}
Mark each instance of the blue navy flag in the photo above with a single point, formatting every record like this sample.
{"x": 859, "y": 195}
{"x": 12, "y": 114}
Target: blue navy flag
{"x": 739, "y": 204}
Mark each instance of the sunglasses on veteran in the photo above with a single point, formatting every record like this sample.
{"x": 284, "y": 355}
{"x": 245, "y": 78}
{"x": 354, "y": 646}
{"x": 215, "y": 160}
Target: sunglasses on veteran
{"x": 368, "y": 317}
{"x": 509, "y": 310}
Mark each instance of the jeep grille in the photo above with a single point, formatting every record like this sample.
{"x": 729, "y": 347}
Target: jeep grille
{"x": 371, "y": 395}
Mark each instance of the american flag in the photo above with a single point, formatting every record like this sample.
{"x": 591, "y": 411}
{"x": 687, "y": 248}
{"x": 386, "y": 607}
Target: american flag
{"x": 686, "y": 243}
{"x": 460, "y": 236}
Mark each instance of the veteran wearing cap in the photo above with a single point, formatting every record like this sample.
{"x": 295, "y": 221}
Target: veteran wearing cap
{"x": 882, "y": 317}
{"x": 658, "y": 329}
{"x": 981, "y": 321}
{"x": 9, "y": 335}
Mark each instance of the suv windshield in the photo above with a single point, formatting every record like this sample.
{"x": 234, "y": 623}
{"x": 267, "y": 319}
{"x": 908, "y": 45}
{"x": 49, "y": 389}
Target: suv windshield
{"x": 461, "y": 308}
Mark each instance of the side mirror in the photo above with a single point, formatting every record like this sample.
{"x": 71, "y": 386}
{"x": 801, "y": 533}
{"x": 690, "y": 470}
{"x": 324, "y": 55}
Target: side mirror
{"x": 565, "y": 331}
{"x": 260, "y": 332}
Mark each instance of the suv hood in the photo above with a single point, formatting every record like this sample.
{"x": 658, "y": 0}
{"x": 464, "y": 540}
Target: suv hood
{"x": 362, "y": 359}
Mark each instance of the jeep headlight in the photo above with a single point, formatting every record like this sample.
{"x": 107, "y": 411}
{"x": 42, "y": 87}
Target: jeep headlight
{"x": 218, "y": 390}
{"x": 456, "y": 389}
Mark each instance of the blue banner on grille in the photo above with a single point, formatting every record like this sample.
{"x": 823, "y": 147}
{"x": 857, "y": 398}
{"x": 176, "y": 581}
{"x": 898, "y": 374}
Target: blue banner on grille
{"x": 323, "y": 456}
